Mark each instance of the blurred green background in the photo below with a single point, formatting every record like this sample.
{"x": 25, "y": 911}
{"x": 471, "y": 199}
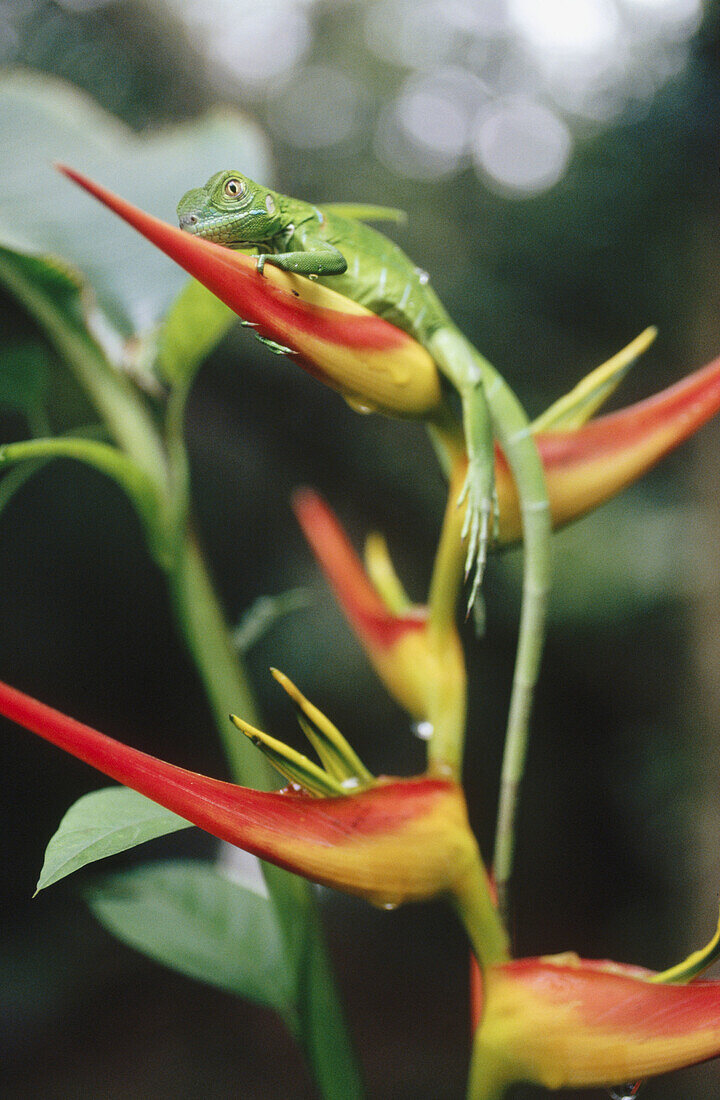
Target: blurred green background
{"x": 559, "y": 164}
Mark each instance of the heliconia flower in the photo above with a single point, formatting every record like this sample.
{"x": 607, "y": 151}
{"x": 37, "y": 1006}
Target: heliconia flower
{"x": 585, "y": 466}
{"x": 372, "y": 363}
{"x": 387, "y": 840}
{"x": 564, "y": 1022}
{"x": 426, "y": 678}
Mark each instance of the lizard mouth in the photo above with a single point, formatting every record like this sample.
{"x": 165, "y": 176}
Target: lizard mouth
{"x": 215, "y": 229}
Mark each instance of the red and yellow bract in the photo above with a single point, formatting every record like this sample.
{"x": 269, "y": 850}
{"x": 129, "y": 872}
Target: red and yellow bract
{"x": 371, "y": 362}
{"x": 396, "y": 644}
{"x": 562, "y": 1021}
{"x": 401, "y": 840}
{"x": 586, "y": 466}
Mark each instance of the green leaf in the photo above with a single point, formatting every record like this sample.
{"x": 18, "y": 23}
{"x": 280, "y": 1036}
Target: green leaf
{"x": 196, "y": 322}
{"x": 193, "y": 918}
{"x": 43, "y": 119}
{"x": 102, "y": 824}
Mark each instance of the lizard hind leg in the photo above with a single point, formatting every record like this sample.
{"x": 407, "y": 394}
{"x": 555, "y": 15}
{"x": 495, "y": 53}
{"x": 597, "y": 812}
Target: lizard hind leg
{"x": 457, "y": 360}
{"x": 478, "y": 497}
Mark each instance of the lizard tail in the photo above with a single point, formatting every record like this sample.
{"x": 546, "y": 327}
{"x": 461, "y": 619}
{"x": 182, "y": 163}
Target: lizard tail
{"x": 464, "y": 365}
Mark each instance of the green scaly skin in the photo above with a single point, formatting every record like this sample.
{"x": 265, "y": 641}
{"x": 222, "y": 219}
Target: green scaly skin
{"x": 330, "y": 243}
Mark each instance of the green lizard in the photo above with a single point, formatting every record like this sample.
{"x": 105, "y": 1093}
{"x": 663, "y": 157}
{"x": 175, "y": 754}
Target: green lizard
{"x": 332, "y": 244}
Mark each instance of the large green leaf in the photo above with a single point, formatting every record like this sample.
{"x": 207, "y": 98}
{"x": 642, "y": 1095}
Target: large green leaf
{"x": 43, "y": 120}
{"x": 190, "y": 916}
{"x": 102, "y": 824}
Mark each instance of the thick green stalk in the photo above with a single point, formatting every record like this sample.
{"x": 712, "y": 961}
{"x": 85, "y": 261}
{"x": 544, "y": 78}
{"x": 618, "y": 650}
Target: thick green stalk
{"x": 483, "y": 923}
{"x": 202, "y": 623}
{"x": 513, "y": 432}
{"x": 320, "y": 1027}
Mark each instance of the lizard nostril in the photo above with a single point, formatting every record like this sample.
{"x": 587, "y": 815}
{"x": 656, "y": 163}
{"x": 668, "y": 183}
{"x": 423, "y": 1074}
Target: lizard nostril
{"x": 188, "y": 219}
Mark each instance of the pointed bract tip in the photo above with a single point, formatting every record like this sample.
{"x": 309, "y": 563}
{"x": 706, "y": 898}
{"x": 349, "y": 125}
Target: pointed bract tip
{"x": 66, "y": 170}
{"x": 245, "y": 727}
{"x": 287, "y": 685}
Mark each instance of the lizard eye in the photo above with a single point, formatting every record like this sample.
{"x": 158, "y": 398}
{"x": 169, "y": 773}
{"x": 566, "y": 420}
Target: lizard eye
{"x": 234, "y": 188}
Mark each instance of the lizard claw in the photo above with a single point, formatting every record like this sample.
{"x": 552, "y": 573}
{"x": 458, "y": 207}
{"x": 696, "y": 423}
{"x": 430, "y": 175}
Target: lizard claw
{"x": 480, "y": 510}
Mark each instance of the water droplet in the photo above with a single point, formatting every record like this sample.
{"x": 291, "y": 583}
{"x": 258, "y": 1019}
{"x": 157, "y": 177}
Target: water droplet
{"x": 625, "y": 1092}
{"x": 351, "y": 783}
{"x": 423, "y": 277}
{"x": 389, "y": 906}
{"x": 423, "y": 730}
{"x": 359, "y": 406}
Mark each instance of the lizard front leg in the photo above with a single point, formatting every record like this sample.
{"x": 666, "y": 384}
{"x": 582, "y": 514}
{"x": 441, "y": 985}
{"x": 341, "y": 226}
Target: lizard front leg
{"x": 325, "y": 260}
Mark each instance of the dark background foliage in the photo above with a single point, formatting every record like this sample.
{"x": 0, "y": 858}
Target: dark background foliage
{"x": 618, "y": 852}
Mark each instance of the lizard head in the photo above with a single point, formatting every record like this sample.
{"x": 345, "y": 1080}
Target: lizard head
{"x": 231, "y": 210}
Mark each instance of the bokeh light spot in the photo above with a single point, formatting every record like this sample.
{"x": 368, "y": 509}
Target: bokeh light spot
{"x": 566, "y": 26}
{"x": 324, "y": 108}
{"x": 425, "y": 135}
{"x": 521, "y": 147}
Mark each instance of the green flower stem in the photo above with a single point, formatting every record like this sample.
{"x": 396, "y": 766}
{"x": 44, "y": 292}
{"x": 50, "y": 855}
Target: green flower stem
{"x": 483, "y": 923}
{"x": 448, "y": 715}
{"x": 203, "y": 626}
{"x": 448, "y": 567}
{"x": 488, "y": 1075}
{"x": 490, "y": 942}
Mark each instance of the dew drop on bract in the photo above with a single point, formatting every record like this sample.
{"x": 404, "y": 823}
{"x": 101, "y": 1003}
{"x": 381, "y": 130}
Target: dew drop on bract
{"x": 359, "y": 406}
{"x": 625, "y": 1092}
{"x": 389, "y": 906}
{"x": 351, "y": 783}
{"x": 423, "y": 730}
